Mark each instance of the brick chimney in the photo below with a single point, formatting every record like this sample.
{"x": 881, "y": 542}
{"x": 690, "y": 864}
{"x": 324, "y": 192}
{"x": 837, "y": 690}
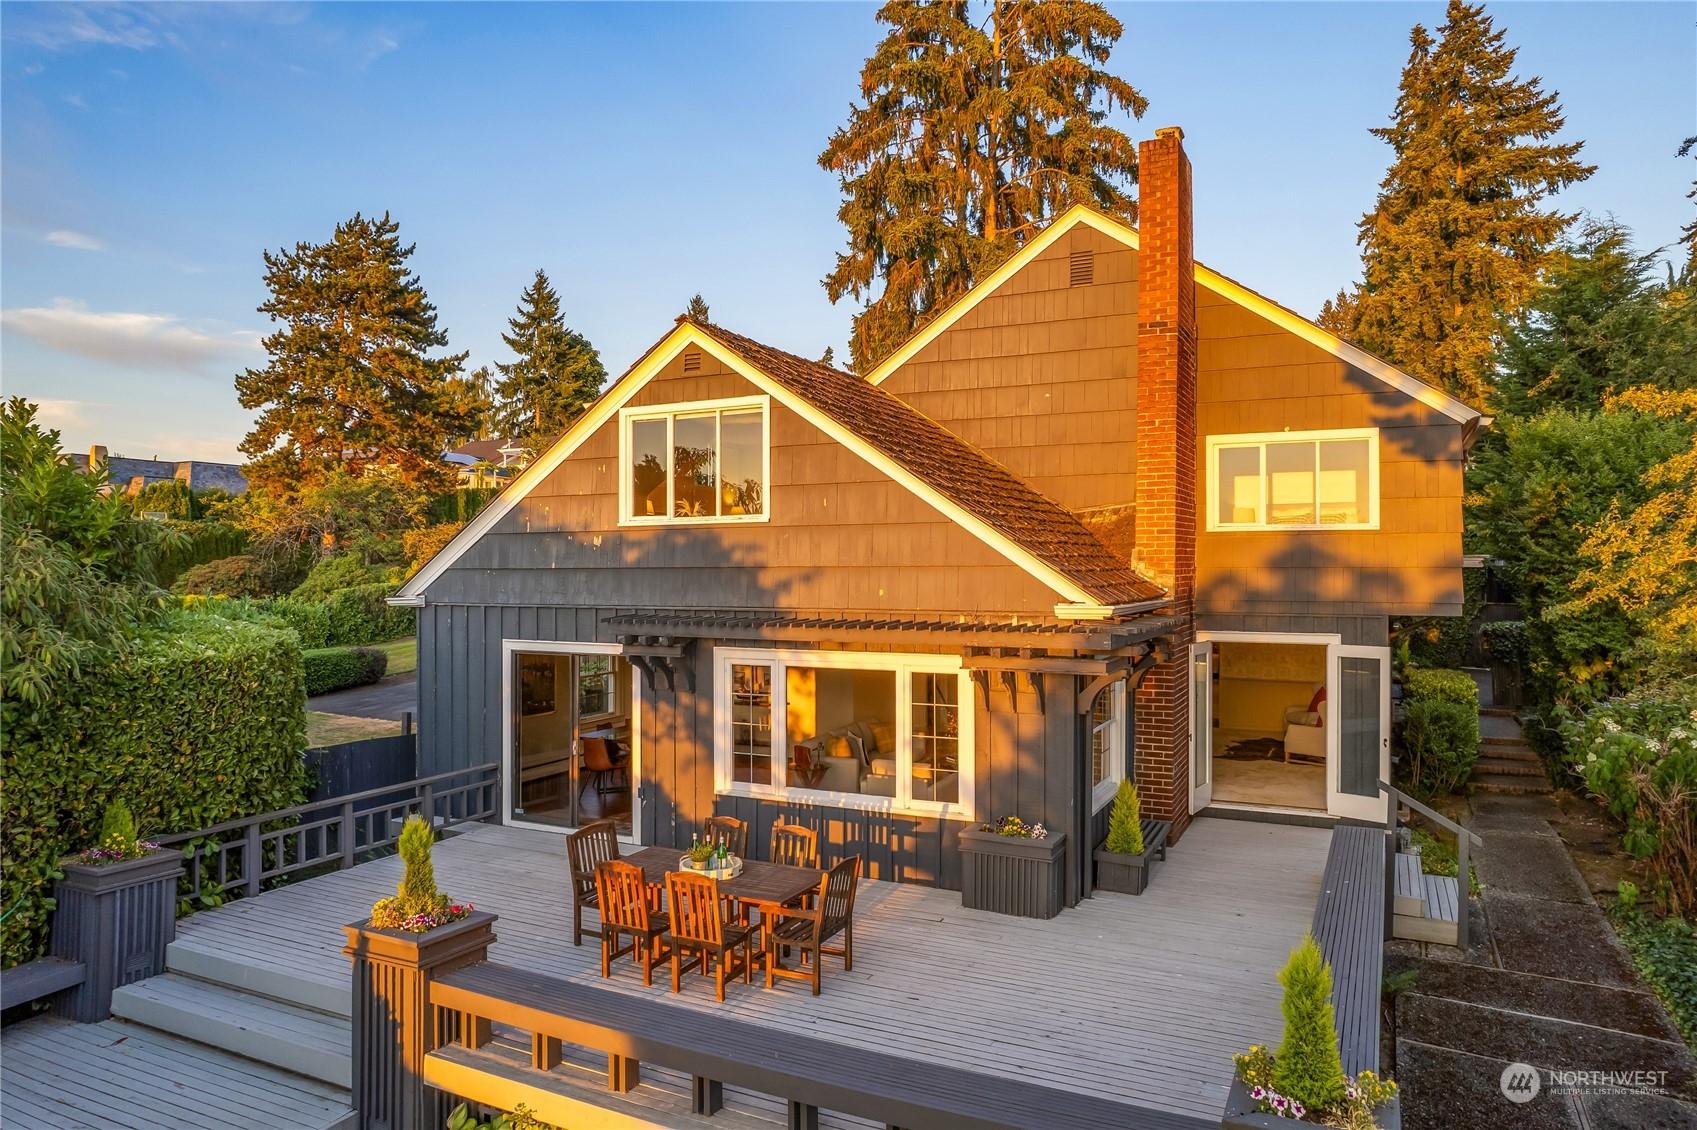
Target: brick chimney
{"x": 1166, "y": 461}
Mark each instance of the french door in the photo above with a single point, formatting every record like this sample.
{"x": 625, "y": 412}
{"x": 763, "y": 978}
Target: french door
{"x": 1201, "y": 726}
{"x": 1360, "y": 747}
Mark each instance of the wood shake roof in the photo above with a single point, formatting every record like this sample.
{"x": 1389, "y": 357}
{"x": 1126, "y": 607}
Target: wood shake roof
{"x": 961, "y": 472}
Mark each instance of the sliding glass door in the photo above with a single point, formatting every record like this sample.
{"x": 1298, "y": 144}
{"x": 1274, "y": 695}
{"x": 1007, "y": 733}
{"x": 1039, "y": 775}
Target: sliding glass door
{"x": 571, "y": 745}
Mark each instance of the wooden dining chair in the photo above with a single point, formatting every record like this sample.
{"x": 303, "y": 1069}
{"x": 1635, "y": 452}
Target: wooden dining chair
{"x": 730, "y": 831}
{"x": 696, "y": 912}
{"x": 794, "y": 845}
{"x": 810, "y": 928}
{"x": 586, "y": 849}
{"x": 626, "y": 913}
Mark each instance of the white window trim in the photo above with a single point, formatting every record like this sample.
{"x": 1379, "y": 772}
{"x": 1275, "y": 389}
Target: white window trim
{"x": 1217, "y": 443}
{"x": 629, "y": 415}
{"x": 904, "y": 667}
{"x": 1110, "y": 783}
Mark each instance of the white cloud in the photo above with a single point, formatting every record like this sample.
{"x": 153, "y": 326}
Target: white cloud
{"x": 59, "y": 27}
{"x": 153, "y": 340}
{"x": 63, "y": 413}
{"x": 75, "y": 240}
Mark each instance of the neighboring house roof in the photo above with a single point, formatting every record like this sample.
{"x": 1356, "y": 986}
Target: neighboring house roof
{"x": 967, "y": 476}
{"x": 485, "y": 451}
{"x": 1233, "y": 291}
{"x": 966, "y": 485}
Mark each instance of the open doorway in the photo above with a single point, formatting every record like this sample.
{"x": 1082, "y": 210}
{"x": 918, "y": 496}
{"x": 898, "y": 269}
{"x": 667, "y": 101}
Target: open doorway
{"x": 571, "y": 749}
{"x": 1269, "y": 739}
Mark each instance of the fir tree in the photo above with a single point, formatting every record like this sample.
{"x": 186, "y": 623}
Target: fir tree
{"x": 1125, "y": 821}
{"x": 1307, "y": 1066}
{"x": 829, "y": 357}
{"x": 971, "y": 134}
{"x": 1688, "y": 234}
{"x": 1463, "y": 229}
{"x": 696, "y": 311}
{"x": 350, "y": 382}
{"x": 555, "y": 373}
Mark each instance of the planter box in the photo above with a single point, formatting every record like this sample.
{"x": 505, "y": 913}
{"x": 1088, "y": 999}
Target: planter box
{"x": 1123, "y": 874}
{"x": 1010, "y": 875}
{"x": 392, "y": 1029}
{"x": 1240, "y": 1114}
{"x": 117, "y": 920}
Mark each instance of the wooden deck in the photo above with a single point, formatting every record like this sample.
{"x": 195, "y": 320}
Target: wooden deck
{"x": 1140, "y": 999}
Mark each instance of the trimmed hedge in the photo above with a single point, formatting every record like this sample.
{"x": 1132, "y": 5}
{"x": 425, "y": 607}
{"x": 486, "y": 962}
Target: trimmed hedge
{"x": 310, "y": 621}
{"x": 338, "y": 668}
{"x": 203, "y": 722}
{"x": 359, "y": 615}
{"x": 1439, "y": 684}
{"x": 204, "y": 541}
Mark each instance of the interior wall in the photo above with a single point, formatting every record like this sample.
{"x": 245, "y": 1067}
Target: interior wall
{"x": 551, "y": 731}
{"x": 1258, "y": 681}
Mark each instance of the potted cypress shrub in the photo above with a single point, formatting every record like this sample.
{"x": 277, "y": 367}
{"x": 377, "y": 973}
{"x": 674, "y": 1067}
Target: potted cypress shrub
{"x": 1304, "y": 1080}
{"x": 115, "y": 910}
{"x": 1123, "y": 861}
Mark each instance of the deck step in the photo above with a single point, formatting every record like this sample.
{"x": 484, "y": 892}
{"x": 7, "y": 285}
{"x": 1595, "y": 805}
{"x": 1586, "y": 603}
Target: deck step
{"x": 250, "y": 974}
{"x": 1511, "y": 766}
{"x": 1440, "y": 914}
{"x": 1410, "y": 892}
{"x": 1511, "y": 786}
{"x": 303, "y": 1040}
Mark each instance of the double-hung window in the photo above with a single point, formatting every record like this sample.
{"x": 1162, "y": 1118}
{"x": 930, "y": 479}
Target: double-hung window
{"x": 702, "y": 462}
{"x": 854, "y": 729}
{"x": 1107, "y": 743}
{"x": 1294, "y": 481}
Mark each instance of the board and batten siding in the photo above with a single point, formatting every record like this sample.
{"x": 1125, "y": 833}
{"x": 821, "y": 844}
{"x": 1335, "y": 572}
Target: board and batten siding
{"x": 842, "y": 536}
{"x": 1025, "y": 758}
{"x": 1042, "y": 374}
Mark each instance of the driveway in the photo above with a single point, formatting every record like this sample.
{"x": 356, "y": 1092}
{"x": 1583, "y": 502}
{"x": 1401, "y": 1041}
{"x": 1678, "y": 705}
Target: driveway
{"x": 387, "y": 699}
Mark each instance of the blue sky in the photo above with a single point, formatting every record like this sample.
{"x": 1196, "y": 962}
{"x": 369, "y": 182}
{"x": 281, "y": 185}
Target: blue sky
{"x": 640, "y": 153}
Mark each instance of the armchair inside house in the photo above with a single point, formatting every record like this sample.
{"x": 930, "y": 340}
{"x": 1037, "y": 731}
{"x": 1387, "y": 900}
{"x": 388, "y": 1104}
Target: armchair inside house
{"x": 857, "y": 758}
{"x": 1305, "y": 728}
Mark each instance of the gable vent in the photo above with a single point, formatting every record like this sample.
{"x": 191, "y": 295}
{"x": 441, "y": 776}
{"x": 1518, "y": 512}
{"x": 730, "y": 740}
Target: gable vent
{"x": 1082, "y": 270}
{"x": 692, "y": 362}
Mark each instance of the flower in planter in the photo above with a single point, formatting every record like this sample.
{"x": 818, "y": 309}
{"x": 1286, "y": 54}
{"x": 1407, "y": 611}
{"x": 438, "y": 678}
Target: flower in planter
{"x": 1017, "y": 828}
{"x": 417, "y": 905}
{"x": 1125, "y": 822}
{"x": 118, "y": 840}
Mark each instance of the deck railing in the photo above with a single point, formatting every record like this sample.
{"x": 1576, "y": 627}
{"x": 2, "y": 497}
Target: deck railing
{"x": 242, "y": 857}
{"x": 1464, "y": 876}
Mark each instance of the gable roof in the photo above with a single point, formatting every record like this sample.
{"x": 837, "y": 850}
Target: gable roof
{"x": 963, "y": 483}
{"x": 1226, "y": 288}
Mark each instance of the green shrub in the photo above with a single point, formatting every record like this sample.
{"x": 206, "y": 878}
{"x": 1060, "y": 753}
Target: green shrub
{"x": 337, "y": 668}
{"x": 237, "y": 575}
{"x": 1307, "y": 1066}
{"x": 342, "y": 571}
{"x": 201, "y": 542}
{"x": 1638, "y": 755}
{"x": 1125, "y": 822}
{"x": 460, "y": 506}
{"x": 201, "y": 720}
{"x": 1504, "y": 642}
{"x": 361, "y": 615}
{"x": 311, "y": 622}
{"x": 1442, "y": 742}
{"x": 1441, "y": 684}
{"x": 1665, "y": 952}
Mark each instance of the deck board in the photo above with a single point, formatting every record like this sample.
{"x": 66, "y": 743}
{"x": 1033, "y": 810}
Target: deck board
{"x": 1141, "y": 999}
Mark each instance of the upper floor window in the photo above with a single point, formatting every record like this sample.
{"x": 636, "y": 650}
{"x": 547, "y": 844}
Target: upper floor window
{"x": 703, "y": 462}
{"x": 1294, "y": 481}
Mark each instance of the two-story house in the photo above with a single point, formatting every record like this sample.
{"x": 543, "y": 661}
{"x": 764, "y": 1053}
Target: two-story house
{"x": 1110, "y": 513}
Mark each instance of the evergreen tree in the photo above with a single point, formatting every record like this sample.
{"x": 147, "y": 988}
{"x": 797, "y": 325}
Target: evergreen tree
{"x": 829, "y": 357}
{"x": 1462, "y": 230}
{"x": 972, "y": 133}
{"x": 1307, "y": 1066}
{"x": 1688, "y": 234}
{"x": 555, "y": 373}
{"x": 696, "y": 311}
{"x": 349, "y": 383}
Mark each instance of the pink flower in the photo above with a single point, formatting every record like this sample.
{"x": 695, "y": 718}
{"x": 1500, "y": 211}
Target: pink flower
{"x": 1258, "y": 1093}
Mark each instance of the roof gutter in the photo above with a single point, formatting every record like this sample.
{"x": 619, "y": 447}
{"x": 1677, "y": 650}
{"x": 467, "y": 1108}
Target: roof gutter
{"x": 1079, "y": 611}
{"x": 399, "y": 601}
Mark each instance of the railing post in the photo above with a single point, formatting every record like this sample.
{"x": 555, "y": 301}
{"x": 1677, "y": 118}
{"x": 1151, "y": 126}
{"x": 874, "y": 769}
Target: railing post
{"x": 253, "y": 859}
{"x": 1463, "y": 889}
{"x": 427, "y": 804}
{"x": 345, "y": 833}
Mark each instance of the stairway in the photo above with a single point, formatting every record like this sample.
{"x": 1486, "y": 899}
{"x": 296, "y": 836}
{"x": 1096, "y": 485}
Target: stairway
{"x": 251, "y": 1010}
{"x": 1507, "y": 763}
{"x": 1426, "y": 907}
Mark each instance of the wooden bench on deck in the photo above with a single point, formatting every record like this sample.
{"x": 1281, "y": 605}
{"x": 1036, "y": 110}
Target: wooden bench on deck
{"x": 806, "y": 1072}
{"x": 1349, "y": 925}
{"x": 1155, "y": 833}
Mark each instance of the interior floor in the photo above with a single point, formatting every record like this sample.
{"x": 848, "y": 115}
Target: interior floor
{"x": 554, "y": 808}
{"x": 1270, "y": 782}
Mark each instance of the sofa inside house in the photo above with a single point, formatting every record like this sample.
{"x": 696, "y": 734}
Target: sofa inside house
{"x": 857, "y": 758}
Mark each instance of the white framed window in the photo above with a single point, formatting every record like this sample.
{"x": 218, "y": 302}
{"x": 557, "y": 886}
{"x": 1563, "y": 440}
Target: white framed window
{"x": 597, "y": 693}
{"x": 865, "y": 730}
{"x": 1326, "y": 480}
{"x": 1107, "y": 743}
{"x": 703, "y": 462}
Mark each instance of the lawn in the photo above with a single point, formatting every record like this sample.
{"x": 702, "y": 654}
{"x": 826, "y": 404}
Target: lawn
{"x": 331, "y": 729}
{"x": 403, "y": 655}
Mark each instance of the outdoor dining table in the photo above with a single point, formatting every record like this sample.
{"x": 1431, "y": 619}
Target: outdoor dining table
{"x": 760, "y": 882}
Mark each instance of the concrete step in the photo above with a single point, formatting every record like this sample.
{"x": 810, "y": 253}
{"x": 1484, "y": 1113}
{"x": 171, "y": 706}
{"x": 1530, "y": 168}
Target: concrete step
{"x": 1517, "y": 752}
{"x": 1508, "y": 766}
{"x": 302, "y": 1040}
{"x": 1499, "y": 711}
{"x": 253, "y": 974}
{"x": 1511, "y": 786}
